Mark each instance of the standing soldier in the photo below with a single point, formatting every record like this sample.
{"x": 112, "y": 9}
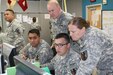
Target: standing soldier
{"x": 59, "y": 18}
{"x": 14, "y": 30}
{"x": 94, "y": 46}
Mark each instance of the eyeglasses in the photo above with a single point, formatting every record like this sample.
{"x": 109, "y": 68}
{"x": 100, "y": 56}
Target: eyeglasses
{"x": 60, "y": 45}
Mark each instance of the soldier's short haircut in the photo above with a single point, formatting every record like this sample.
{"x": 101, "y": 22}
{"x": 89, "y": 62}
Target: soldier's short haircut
{"x": 79, "y": 22}
{"x": 10, "y": 10}
{"x": 36, "y": 31}
{"x": 54, "y": 2}
{"x": 63, "y": 35}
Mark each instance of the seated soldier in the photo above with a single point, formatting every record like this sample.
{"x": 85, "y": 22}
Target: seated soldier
{"x": 66, "y": 60}
{"x": 37, "y": 49}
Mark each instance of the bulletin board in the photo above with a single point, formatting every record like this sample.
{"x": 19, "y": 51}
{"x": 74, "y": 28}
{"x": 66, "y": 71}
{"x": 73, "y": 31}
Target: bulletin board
{"x": 107, "y": 21}
{"x": 94, "y": 15}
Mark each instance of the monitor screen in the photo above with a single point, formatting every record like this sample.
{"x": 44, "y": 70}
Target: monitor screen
{"x": 8, "y": 52}
{"x": 26, "y": 68}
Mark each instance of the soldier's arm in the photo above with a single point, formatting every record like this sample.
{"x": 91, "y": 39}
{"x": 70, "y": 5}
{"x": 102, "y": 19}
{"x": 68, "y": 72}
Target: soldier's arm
{"x": 23, "y": 52}
{"x": 18, "y": 29}
{"x": 45, "y": 55}
{"x": 93, "y": 48}
{"x": 50, "y": 65}
{"x": 73, "y": 62}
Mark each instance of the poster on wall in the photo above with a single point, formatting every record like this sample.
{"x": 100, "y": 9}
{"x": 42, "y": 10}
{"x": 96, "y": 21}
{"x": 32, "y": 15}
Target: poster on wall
{"x": 107, "y": 22}
{"x": 95, "y": 17}
{"x": 19, "y": 17}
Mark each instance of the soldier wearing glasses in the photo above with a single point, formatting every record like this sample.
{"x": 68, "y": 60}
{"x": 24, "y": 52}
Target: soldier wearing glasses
{"x": 66, "y": 60}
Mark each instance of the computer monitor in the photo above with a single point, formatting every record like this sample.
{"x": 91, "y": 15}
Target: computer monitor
{"x": 8, "y": 51}
{"x": 26, "y": 68}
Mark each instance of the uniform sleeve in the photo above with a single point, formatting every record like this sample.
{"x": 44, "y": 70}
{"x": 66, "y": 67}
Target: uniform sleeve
{"x": 18, "y": 28}
{"x": 49, "y": 65}
{"x": 18, "y": 35}
{"x": 24, "y": 50}
{"x": 75, "y": 62}
{"x": 93, "y": 48}
{"x": 19, "y": 43}
{"x": 45, "y": 55}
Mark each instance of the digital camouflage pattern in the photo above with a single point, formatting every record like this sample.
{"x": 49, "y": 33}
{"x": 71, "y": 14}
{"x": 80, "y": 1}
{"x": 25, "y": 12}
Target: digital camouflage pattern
{"x": 14, "y": 33}
{"x": 60, "y": 25}
{"x": 66, "y": 65}
{"x": 41, "y": 53}
{"x": 97, "y": 48}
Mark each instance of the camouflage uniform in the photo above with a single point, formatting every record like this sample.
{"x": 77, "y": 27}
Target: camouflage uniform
{"x": 41, "y": 53}
{"x": 60, "y": 26}
{"x": 2, "y": 37}
{"x": 64, "y": 65}
{"x": 14, "y": 35}
{"x": 35, "y": 26}
{"x": 97, "y": 48}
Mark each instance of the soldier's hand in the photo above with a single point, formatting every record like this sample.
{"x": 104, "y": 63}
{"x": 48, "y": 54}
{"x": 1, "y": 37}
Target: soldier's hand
{"x": 23, "y": 56}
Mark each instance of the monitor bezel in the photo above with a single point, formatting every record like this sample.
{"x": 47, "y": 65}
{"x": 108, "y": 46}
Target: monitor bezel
{"x": 23, "y": 65}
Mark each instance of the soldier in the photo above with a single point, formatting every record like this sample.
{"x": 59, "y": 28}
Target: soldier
{"x": 94, "y": 46}
{"x": 2, "y": 37}
{"x": 37, "y": 49}
{"x": 35, "y": 24}
{"x": 66, "y": 60}
{"x": 59, "y": 18}
{"x": 14, "y": 30}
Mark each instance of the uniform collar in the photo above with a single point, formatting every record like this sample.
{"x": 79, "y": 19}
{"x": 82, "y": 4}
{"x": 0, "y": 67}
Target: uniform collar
{"x": 85, "y": 35}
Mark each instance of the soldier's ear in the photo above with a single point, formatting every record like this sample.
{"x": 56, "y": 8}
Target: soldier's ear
{"x": 83, "y": 29}
{"x": 68, "y": 45}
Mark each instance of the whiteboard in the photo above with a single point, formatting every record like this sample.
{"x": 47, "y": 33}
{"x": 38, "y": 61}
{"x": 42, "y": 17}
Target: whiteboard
{"x": 107, "y": 22}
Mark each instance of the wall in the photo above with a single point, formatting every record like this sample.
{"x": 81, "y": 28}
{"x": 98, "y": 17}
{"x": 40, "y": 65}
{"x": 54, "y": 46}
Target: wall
{"x": 35, "y": 8}
{"x": 108, "y": 6}
{"x": 39, "y": 8}
{"x": 74, "y": 7}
